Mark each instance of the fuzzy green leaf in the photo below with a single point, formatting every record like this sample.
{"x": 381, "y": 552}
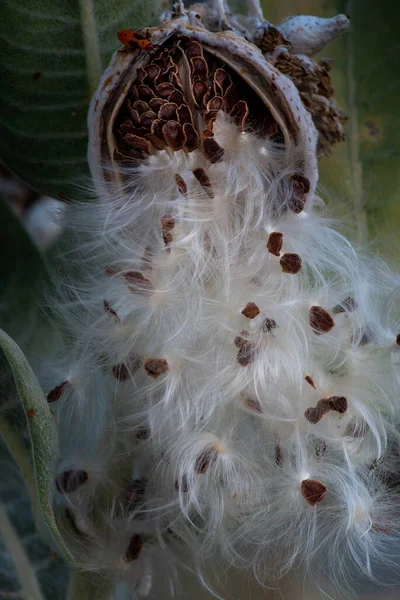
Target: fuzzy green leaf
{"x": 42, "y": 430}
{"x": 53, "y": 53}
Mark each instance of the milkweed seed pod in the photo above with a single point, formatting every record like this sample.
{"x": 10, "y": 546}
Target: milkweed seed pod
{"x": 231, "y": 388}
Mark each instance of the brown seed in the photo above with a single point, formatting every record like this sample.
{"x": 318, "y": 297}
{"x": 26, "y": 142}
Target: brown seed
{"x": 155, "y": 367}
{"x": 313, "y": 491}
{"x": 364, "y": 336}
{"x": 184, "y": 114}
{"x": 205, "y": 460}
{"x": 180, "y": 184}
{"x": 147, "y": 118}
{"x": 167, "y": 237}
{"x": 398, "y": 339}
{"x": 300, "y": 187}
{"x": 268, "y": 325}
{"x": 163, "y": 90}
{"x": 239, "y": 340}
{"x": 199, "y": 67}
{"x": 246, "y": 354}
{"x": 182, "y": 485}
{"x": 310, "y": 380}
{"x": 174, "y": 135}
{"x": 134, "y": 548}
{"x": 31, "y": 413}
{"x": 348, "y": 305}
{"x": 70, "y": 481}
{"x": 338, "y": 404}
{"x": 142, "y": 433}
{"x": 223, "y": 79}
{"x": 167, "y": 222}
{"x": 191, "y": 137}
{"x": 140, "y": 106}
{"x": 156, "y": 128}
{"x": 252, "y": 404}
{"x": 278, "y": 455}
{"x": 145, "y": 93}
{"x": 177, "y": 97}
{"x": 251, "y": 310}
{"x": 121, "y": 372}
{"x": 239, "y": 113}
{"x": 140, "y": 144}
{"x": 216, "y": 103}
{"x": 314, "y": 415}
{"x": 153, "y": 71}
{"x": 168, "y": 111}
{"x": 275, "y": 242}
{"x": 291, "y": 263}
{"x": 204, "y": 181}
{"x": 199, "y": 89}
{"x": 212, "y": 150}
{"x": 320, "y": 320}
{"x": 111, "y": 270}
{"x": 193, "y": 49}
{"x": 156, "y": 103}
{"x": 109, "y": 310}
{"x": 56, "y": 393}
{"x": 137, "y": 283}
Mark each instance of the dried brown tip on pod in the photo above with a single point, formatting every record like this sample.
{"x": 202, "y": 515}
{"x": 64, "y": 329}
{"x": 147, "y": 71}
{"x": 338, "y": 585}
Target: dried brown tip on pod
{"x": 134, "y": 548}
{"x": 267, "y": 325}
{"x": 204, "y": 181}
{"x": 56, "y": 393}
{"x": 310, "y": 380}
{"x": 348, "y": 305}
{"x": 109, "y": 310}
{"x": 251, "y": 310}
{"x": 207, "y": 458}
{"x": 300, "y": 188}
{"x": 180, "y": 184}
{"x": 274, "y": 244}
{"x": 70, "y": 481}
{"x": 313, "y": 491}
{"x": 320, "y": 320}
{"x": 155, "y": 367}
{"x": 291, "y": 263}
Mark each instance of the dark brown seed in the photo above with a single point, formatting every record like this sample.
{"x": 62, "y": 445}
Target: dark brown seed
{"x": 134, "y": 548}
{"x": 156, "y": 128}
{"x": 193, "y": 49}
{"x": 310, "y": 380}
{"x": 315, "y": 414}
{"x": 212, "y": 150}
{"x": 139, "y": 143}
{"x": 191, "y": 137}
{"x": 313, "y": 491}
{"x": 215, "y": 103}
{"x": 145, "y": 93}
{"x": 127, "y": 126}
{"x": 241, "y": 341}
{"x": 174, "y": 135}
{"x": 141, "y": 75}
{"x": 348, "y": 305}
{"x": 246, "y": 354}
{"x": 156, "y": 103}
{"x": 155, "y": 367}
{"x": 121, "y": 372}
{"x": 141, "y": 107}
{"x": 199, "y": 89}
{"x": 168, "y": 111}
{"x": 167, "y": 237}
{"x": 70, "y": 481}
{"x": 209, "y": 119}
{"x": 180, "y": 184}
{"x": 134, "y": 494}
{"x": 205, "y": 460}
{"x": 147, "y": 119}
{"x": 56, "y": 393}
{"x": 275, "y": 242}
{"x": 268, "y": 325}
{"x": 278, "y": 455}
{"x": 167, "y": 222}
{"x": 142, "y": 433}
{"x": 251, "y": 310}
{"x": 204, "y": 181}
{"x": 199, "y": 67}
{"x": 223, "y": 80}
{"x": 184, "y": 114}
{"x": 338, "y": 404}
{"x": 137, "y": 283}
{"x": 291, "y": 263}
{"x": 111, "y": 270}
{"x": 163, "y": 90}
{"x": 320, "y": 320}
{"x": 252, "y": 404}
{"x": 177, "y": 97}
{"x": 182, "y": 485}
{"x": 157, "y": 143}
{"x": 153, "y": 71}
{"x": 398, "y": 339}
{"x": 300, "y": 187}
{"x": 364, "y": 336}
{"x": 239, "y": 113}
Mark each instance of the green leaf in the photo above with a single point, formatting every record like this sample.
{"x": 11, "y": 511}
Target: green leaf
{"x": 53, "y": 53}
{"x": 42, "y": 430}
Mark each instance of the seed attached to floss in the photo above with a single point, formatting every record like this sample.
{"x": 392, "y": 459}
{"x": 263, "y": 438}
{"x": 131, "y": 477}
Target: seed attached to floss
{"x": 134, "y": 548}
{"x": 310, "y": 380}
{"x": 291, "y": 263}
{"x": 155, "y": 367}
{"x": 205, "y": 460}
{"x": 251, "y": 310}
{"x": 180, "y": 184}
{"x": 56, "y": 393}
{"x": 204, "y": 181}
{"x": 275, "y": 242}
{"x": 348, "y": 305}
{"x": 70, "y": 481}
{"x": 313, "y": 491}
{"x": 109, "y": 310}
{"x": 267, "y": 325}
{"x": 320, "y": 320}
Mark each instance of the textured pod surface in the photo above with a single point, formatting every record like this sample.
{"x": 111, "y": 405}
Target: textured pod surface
{"x": 238, "y": 408}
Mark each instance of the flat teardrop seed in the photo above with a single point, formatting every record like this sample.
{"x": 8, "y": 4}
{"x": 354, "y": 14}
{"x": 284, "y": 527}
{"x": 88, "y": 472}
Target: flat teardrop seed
{"x": 155, "y": 367}
{"x": 274, "y": 244}
{"x": 70, "y": 481}
{"x": 251, "y": 310}
{"x": 212, "y": 150}
{"x": 320, "y": 320}
{"x": 205, "y": 460}
{"x": 347, "y": 305}
{"x": 338, "y": 404}
{"x": 56, "y": 393}
{"x": 291, "y": 263}
{"x": 191, "y": 137}
{"x": 174, "y": 135}
{"x": 313, "y": 491}
{"x": 180, "y": 184}
{"x": 204, "y": 181}
{"x": 134, "y": 548}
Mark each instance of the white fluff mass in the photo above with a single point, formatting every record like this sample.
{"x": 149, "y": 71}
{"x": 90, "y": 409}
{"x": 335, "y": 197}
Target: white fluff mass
{"x": 173, "y": 387}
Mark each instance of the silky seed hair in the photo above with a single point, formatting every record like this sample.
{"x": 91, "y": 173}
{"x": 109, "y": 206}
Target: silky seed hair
{"x": 228, "y": 391}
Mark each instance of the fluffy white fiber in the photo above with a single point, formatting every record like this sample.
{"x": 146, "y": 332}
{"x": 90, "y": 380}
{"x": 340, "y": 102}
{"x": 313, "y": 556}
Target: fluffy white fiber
{"x": 215, "y": 437}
